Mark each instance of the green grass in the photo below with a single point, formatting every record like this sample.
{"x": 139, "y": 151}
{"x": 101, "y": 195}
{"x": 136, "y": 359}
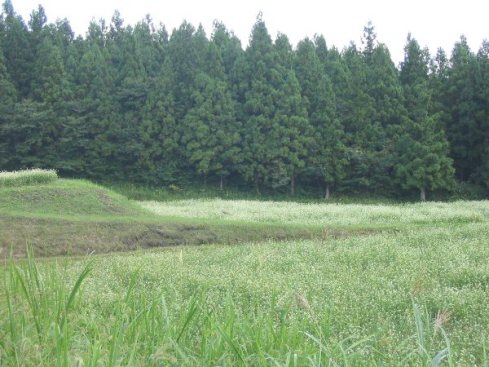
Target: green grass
{"x": 27, "y": 177}
{"x": 68, "y": 199}
{"x": 76, "y": 217}
{"x": 325, "y": 214}
{"x": 308, "y": 285}
{"x": 387, "y": 299}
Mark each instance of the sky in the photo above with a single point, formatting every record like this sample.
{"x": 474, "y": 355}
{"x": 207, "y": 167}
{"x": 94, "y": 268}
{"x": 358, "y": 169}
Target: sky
{"x": 434, "y": 23}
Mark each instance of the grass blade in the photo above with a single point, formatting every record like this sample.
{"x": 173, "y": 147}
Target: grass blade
{"x": 74, "y": 291}
{"x": 190, "y": 314}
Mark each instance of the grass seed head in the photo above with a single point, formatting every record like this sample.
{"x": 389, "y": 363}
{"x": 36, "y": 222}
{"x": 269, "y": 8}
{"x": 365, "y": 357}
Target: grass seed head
{"x": 441, "y": 320}
{"x": 302, "y": 301}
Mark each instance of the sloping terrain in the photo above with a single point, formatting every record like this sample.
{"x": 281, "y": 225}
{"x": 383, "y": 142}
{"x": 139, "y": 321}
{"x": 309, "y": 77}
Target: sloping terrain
{"x": 76, "y": 217}
{"x": 72, "y": 199}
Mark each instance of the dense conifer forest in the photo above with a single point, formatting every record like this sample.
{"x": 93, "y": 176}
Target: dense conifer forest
{"x": 144, "y": 105}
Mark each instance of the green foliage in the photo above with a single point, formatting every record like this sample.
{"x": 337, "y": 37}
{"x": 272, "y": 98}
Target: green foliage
{"x": 211, "y": 132}
{"x": 291, "y": 136}
{"x": 16, "y": 48}
{"x": 133, "y": 102}
{"x": 327, "y": 155}
{"x": 466, "y": 112}
{"x": 423, "y": 161}
{"x": 8, "y": 96}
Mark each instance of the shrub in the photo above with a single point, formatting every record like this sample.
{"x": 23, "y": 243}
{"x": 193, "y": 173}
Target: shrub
{"x": 27, "y": 177}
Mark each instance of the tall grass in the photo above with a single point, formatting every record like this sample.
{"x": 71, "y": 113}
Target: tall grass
{"x": 46, "y": 322}
{"x": 35, "y": 311}
{"x": 27, "y": 177}
{"x": 419, "y": 299}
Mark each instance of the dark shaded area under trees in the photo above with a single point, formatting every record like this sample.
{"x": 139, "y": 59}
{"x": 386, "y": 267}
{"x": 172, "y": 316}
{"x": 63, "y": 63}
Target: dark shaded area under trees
{"x": 133, "y": 103}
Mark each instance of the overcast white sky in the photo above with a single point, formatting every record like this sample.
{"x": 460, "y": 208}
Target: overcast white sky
{"x": 434, "y": 23}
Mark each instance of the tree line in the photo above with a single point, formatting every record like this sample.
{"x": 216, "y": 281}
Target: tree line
{"x": 138, "y": 104}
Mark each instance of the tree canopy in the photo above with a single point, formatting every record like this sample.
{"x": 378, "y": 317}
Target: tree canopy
{"x": 136, "y": 103}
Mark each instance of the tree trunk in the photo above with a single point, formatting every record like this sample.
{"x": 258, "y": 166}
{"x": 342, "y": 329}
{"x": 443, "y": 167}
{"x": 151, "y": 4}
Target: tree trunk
{"x": 327, "y": 193}
{"x": 292, "y": 185}
{"x": 257, "y": 186}
{"x": 422, "y": 194}
{"x": 221, "y": 184}
{"x": 205, "y": 180}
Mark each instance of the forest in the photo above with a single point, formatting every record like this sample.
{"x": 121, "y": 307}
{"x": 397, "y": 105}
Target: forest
{"x": 139, "y": 104}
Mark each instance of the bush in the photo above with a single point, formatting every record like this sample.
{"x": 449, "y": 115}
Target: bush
{"x": 468, "y": 191}
{"x": 27, "y": 177}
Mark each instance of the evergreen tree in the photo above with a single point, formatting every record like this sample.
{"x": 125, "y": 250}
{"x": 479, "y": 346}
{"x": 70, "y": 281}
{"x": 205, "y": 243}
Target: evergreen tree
{"x": 361, "y": 135}
{"x": 415, "y": 80}
{"x": 235, "y": 68}
{"x": 387, "y": 111}
{"x": 159, "y": 137}
{"x": 327, "y": 156}
{"x": 289, "y": 148}
{"x": 230, "y": 50}
{"x": 97, "y": 120}
{"x": 7, "y": 90}
{"x": 340, "y": 77}
{"x": 51, "y": 90}
{"x": 184, "y": 61}
{"x": 259, "y": 108}
{"x": 17, "y": 51}
{"x": 465, "y": 116}
{"x": 483, "y": 61}
{"x": 423, "y": 161}
{"x": 131, "y": 103}
{"x": 211, "y": 132}
{"x": 438, "y": 78}
{"x": 8, "y": 96}
{"x": 138, "y": 62}
{"x": 37, "y": 24}
{"x": 50, "y": 82}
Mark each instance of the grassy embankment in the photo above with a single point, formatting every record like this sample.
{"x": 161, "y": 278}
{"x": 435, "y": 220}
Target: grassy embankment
{"x": 415, "y": 294}
{"x": 77, "y": 217}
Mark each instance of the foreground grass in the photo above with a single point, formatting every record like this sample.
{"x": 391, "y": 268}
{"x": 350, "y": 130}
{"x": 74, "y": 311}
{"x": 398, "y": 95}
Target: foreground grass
{"x": 419, "y": 298}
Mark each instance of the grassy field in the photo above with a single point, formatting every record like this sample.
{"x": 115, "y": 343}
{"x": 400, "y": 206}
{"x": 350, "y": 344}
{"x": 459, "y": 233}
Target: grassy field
{"x": 76, "y": 217}
{"x": 324, "y": 215}
{"x": 358, "y": 285}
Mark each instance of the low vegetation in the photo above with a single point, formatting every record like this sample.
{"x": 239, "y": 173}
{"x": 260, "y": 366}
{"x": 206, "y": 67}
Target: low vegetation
{"x": 325, "y": 215}
{"x": 416, "y": 298}
{"x": 27, "y": 177}
{"x": 67, "y": 199}
{"x": 76, "y": 217}
{"x": 308, "y": 284}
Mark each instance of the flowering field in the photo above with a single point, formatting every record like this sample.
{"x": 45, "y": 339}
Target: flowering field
{"x": 416, "y": 296}
{"x": 324, "y": 214}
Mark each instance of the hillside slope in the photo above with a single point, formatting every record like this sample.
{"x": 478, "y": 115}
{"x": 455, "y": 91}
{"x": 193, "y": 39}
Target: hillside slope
{"x": 73, "y": 199}
{"x": 76, "y": 217}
